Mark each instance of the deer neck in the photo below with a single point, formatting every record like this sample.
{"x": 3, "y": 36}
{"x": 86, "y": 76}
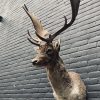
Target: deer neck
{"x": 58, "y": 75}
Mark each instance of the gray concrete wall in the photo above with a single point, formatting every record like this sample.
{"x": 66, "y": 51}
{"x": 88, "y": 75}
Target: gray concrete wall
{"x": 80, "y": 47}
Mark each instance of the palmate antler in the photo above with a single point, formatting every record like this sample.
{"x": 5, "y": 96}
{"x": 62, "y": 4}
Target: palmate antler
{"x": 75, "y": 7}
{"x": 40, "y": 32}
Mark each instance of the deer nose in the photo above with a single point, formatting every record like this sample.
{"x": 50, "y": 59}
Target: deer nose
{"x": 35, "y": 62}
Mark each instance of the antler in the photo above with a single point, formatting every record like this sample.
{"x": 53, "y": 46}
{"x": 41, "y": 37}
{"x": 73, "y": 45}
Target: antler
{"x": 40, "y": 32}
{"x": 32, "y": 40}
{"x": 75, "y": 7}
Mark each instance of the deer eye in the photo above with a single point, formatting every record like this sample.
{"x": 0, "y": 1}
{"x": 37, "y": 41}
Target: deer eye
{"x": 49, "y": 51}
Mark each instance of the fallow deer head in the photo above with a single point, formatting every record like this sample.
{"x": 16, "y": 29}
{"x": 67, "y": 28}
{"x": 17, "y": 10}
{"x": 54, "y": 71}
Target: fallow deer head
{"x": 49, "y": 51}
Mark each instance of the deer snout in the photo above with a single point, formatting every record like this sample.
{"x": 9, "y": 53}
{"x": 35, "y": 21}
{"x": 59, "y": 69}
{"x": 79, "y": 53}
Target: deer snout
{"x": 34, "y": 61}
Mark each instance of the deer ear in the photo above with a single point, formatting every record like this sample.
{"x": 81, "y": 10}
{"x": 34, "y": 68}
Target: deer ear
{"x": 57, "y": 45}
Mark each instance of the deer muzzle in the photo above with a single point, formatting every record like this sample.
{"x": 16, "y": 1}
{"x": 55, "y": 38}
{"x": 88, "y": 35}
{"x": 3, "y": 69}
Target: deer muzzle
{"x": 35, "y": 61}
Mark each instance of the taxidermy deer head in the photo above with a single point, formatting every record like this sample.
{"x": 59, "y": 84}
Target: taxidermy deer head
{"x": 66, "y": 85}
{"x": 49, "y": 51}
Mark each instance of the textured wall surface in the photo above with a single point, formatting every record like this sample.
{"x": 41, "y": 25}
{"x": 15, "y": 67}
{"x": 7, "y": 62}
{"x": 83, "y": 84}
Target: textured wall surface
{"x": 80, "y": 47}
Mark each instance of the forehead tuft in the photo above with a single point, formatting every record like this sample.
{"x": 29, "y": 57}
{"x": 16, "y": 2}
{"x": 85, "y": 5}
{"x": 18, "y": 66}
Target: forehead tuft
{"x": 45, "y": 46}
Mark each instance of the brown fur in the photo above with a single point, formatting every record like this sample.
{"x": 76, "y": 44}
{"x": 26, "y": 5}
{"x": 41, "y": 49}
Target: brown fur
{"x": 66, "y": 85}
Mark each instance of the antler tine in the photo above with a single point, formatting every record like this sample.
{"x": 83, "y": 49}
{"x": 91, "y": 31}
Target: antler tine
{"x": 32, "y": 37}
{"x": 37, "y": 24}
{"x": 35, "y": 42}
{"x": 75, "y": 7}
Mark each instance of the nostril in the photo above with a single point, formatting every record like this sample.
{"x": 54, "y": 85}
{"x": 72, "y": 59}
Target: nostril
{"x": 35, "y": 62}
